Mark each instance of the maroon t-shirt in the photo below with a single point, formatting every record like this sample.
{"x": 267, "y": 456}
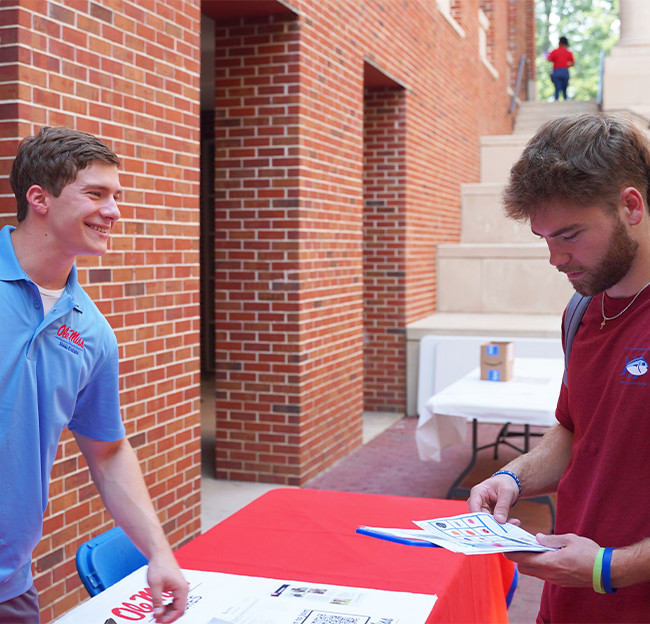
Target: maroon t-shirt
{"x": 604, "y": 493}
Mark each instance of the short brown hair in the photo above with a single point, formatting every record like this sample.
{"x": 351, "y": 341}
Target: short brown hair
{"x": 583, "y": 160}
{"x": 52, "y": 159}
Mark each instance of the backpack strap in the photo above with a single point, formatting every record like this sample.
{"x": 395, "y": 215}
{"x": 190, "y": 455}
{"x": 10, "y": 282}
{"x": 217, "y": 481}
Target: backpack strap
{"x": 572, "y": 318}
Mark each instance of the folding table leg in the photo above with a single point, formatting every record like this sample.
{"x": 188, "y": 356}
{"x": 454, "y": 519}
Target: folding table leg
{"x": 456, "y": 491}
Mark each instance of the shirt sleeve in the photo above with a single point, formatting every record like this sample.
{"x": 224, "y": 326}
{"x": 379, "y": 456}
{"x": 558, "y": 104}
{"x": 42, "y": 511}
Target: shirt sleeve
{"x": 562, "y": 409}
{"x": 97, "y": 413}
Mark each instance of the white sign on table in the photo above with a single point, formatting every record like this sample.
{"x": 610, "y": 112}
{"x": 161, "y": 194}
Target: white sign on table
{"x": 217, "y": 598}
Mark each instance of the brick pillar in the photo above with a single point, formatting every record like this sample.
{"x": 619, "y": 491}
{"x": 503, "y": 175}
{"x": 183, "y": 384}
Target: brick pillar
{"x": 256, "y": 253}
{"x": 384, "y": 257}
{"x": 288, "y": 272}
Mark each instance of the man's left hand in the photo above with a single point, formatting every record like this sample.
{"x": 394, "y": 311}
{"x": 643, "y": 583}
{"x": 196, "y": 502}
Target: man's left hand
{"x": 570, "y": 566}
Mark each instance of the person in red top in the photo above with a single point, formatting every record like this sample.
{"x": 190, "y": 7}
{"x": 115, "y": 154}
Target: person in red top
{"x": 562, "y": 59}
{"x": 582, "y": 185}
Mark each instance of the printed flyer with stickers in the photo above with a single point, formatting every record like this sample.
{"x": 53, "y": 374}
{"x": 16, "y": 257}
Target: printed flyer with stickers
{"x": 470, "y": 534}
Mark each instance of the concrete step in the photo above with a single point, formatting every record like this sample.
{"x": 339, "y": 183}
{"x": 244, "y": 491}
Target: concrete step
{"x": 499, "y": 279}
{"x": 627, "y": 79}
{"x": 498, "y": 154}
{"x": 531, "y": 115}
{"x": 483, "y": 219}
{"x": 467, "y": 324}
{"x": 565, "y": 107}
{"x": 640, "y": 121}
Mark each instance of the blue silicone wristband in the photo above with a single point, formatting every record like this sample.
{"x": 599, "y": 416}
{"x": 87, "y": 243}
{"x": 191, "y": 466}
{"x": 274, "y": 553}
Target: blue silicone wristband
{"x": 514, "y": 476}
{"x": 607, "y": 571}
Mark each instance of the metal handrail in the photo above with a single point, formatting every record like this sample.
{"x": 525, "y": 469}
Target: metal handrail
{"x": 601, "y": 77}
{"x": 520, "y": 74}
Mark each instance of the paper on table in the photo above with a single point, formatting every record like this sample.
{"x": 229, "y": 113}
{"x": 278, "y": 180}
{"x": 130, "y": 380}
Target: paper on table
{"x": 216, "y": 598}
{"x": 470, "y": 534}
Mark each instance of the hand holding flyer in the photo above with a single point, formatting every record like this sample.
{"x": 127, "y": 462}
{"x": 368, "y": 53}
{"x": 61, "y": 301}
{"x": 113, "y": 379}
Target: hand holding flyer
{"x": 470, "y": 534}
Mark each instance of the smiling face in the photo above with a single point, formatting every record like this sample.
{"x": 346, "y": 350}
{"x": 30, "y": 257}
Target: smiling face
{"x": 592, "y": 246}
{"x": 82, "y": 217}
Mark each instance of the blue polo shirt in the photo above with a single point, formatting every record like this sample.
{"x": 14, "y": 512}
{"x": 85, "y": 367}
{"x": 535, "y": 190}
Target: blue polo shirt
{"x": 57, "y": 371}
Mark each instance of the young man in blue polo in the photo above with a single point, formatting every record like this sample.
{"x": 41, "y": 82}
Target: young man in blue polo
{"x": 60, "y": 365}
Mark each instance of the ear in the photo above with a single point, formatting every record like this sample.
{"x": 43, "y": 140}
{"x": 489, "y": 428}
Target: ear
{"x": 37, "y": 197}
{"x": 631, "y": 202}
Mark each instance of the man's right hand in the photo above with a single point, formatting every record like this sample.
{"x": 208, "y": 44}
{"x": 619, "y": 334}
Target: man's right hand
{"x": 495, "y": 495}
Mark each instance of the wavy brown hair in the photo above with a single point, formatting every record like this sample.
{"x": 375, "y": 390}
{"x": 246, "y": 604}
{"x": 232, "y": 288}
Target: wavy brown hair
{"x": 52, "y": 159}
{"x": 581, "y": 160}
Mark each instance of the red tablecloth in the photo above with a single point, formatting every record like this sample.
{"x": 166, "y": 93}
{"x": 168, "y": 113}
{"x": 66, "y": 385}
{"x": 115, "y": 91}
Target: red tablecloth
{"x": 309, "y": 535}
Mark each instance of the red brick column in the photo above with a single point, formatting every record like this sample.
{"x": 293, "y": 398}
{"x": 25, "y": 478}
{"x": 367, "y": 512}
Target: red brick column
{"x": 384, "y": 257}
{"x": 287, "y": 333}
{"x": 256, "y": 253}
{"x": 522, "y": 28}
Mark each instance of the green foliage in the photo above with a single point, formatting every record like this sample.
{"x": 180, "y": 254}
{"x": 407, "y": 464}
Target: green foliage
{"x": 590, "y": 26}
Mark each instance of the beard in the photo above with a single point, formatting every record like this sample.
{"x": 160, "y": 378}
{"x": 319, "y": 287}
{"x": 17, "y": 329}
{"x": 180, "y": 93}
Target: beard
{"x": 612, "y": 267}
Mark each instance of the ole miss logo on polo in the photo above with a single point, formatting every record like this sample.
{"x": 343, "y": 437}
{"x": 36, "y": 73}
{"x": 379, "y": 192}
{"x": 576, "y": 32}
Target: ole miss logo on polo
{"x": 70, "y": 339}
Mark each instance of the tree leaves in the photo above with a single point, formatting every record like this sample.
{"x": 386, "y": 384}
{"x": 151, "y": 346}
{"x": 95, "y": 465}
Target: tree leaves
{"x": 590, "y": 26}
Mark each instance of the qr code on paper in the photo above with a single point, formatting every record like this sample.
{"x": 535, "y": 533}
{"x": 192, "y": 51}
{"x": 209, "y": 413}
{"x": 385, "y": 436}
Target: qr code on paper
{"x": 323, "y": 617}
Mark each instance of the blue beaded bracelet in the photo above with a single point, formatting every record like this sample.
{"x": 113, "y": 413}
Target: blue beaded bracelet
{"x": 607, "y": 571}
{"x": 514, "y": 476}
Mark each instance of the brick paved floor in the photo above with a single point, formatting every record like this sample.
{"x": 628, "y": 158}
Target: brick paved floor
{"x": 389, "y": 464}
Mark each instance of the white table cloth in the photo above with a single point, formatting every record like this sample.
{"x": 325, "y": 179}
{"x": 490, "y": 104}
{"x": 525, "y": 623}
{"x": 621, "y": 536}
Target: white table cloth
{"x": 529, "y": 398}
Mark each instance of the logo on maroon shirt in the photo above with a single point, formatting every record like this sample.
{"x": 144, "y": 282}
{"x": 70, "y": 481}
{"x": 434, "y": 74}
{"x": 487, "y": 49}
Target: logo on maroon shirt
{"x": 636, "y": 367}
{"x": 70, "y": 336}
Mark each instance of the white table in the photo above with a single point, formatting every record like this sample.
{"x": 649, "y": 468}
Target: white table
{"x": 529, "y": 398}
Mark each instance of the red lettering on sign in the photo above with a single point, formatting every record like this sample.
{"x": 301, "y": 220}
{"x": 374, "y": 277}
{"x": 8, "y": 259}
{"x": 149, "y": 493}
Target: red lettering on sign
{"x": 128, "y": 610}
{"x": 127, "y": 613}
{"x": 145, "y": 594}
{"x": 134, "y": 612}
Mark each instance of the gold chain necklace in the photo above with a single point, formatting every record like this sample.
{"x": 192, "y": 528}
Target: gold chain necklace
{"x": 611, "y": 318}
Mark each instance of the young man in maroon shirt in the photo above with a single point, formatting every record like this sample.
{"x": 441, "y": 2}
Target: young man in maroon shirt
{"x": 582, "y": 184}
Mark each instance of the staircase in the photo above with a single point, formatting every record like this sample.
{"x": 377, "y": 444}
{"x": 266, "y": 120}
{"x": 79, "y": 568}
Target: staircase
{"x": 497, "y": 281}
{"x": 502, "y": 266}
{"x": 531, "y": 115}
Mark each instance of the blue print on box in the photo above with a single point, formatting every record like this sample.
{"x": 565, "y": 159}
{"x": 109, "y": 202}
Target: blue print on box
{"x": 494, "y": 375}
{"x": 492, "y": 350}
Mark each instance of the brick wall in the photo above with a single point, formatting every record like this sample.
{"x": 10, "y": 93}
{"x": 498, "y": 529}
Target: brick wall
{"x": 127, "y": 72}
{"x": 257, "y": 251}
{"x": 299, "y": 260}
{"x": 384, "y": 249}
{"x": 522, "y": 40}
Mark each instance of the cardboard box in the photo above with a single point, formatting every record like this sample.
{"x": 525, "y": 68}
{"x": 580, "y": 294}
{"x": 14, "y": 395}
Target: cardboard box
{"x": 497, "y": 360}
